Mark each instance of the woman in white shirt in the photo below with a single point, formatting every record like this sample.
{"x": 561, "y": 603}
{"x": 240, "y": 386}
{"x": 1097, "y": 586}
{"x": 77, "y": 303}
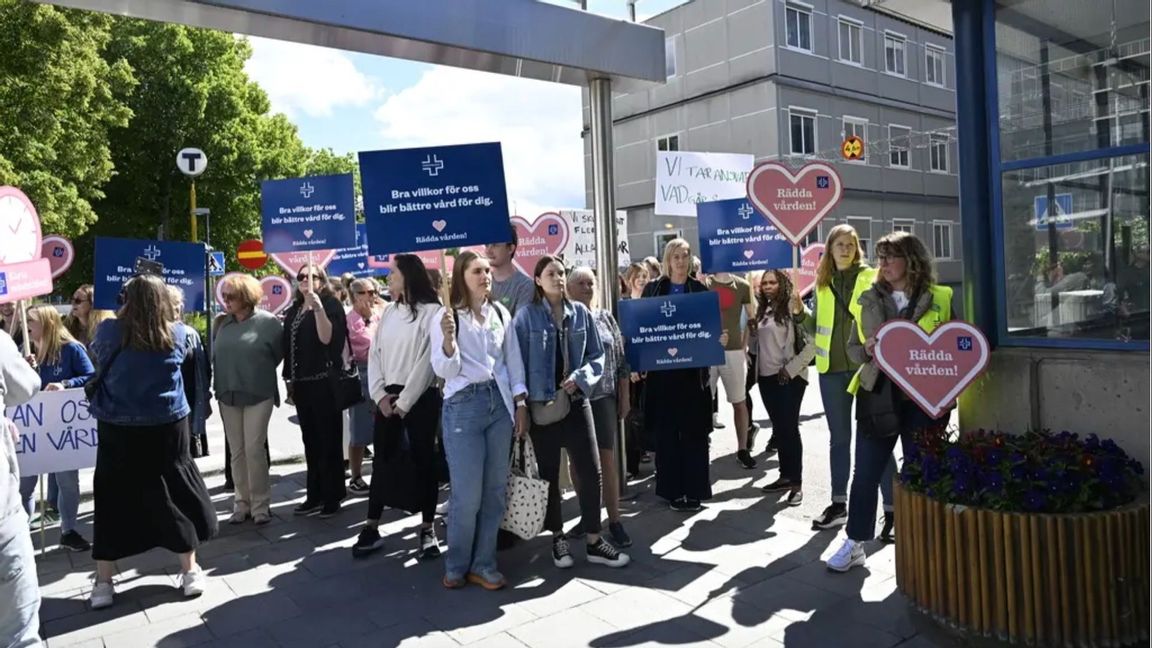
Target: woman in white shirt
{"x": 784, "y": 353}
{"x": 475, "y": 351}
{"x": 400, "y": 385}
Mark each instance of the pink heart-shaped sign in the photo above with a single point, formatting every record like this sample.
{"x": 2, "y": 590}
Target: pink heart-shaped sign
{"x": 291, "y": 262}
{"x": 804, "y": 277}
{"x": 277, "y": 292}
{"x": 794, "y": 202}
{"x": 59, "y": 252}
{"x": 932, "y": 369}
{"x": 547, "y": 235}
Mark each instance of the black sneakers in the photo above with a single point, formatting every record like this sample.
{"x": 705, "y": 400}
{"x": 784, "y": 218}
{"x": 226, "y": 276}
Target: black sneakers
{"x": 329, "y": 510}
{"x": 307, "y": 508}
{"x": 358, "y": 486}
{"x": 834, "y": 516}
{"x": 561, "y": 552}
{"x": 73, "y": 541}
{"x": 779, "y": 486}
{"x": 685, "y": 505}
{"x": 770, "y": 449}
{"x": 752, "y": 432}
{"x": 603, "y": 553}
{"x": 619, "y": 536}
{"x": 888, "y": 533}
{"x": 429, "y": 546}
{"x": 745, "y": 459}
{"x": 368, "y": 542}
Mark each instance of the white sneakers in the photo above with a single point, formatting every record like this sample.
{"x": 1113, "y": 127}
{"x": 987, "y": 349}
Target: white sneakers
{"x": 851, "y": 554}
{"x": 104, "y": 593}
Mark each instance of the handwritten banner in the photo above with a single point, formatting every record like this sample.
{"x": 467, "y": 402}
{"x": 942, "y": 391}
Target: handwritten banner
{"x": 684, "y": 178}
{"x": 581, "y": 247}
{"x": 55, "y": 432}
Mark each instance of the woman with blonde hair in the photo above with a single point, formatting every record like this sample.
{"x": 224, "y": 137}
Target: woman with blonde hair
{"x": 84, "y": 318}
{"x": 62, "y": 364}
{"x": 245, "y": 355}
{"x": 841, "y": 277}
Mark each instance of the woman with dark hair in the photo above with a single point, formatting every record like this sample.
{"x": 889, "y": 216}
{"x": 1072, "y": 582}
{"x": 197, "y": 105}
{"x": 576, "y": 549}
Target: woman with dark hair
{"x": 315, "y": 334}
{"x": 680, "y": 420}
{"x": 784, "y": 352}
{"x": 400, "y": 386}
{"x": 147, "y": 490}
{"x": 905, "y": 289}
{"x": 564, "y": 360}
{"x": 475, "y": 351}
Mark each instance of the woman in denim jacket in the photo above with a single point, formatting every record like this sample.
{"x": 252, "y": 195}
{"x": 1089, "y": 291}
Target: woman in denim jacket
{"x": 550, "y": 328}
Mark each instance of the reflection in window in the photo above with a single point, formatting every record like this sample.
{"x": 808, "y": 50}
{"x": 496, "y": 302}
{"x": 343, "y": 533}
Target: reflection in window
{"x": 1076, "y": 249}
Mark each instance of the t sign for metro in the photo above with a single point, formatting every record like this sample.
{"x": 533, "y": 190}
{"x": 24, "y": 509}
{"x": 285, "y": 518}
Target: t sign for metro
{"x": 191, "y": 162}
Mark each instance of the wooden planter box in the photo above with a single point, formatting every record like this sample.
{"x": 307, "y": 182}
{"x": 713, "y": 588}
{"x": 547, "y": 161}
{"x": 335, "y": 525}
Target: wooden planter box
{"x": 1034, "y": 579}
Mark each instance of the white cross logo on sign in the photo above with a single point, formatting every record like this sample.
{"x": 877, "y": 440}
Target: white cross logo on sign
{"x": 307, "y": 190}
{"x": 745, "y": 211}
{"x": 668, "y": 308}
{"x": 151, "y": 253}
{"x": 432, "y": 165}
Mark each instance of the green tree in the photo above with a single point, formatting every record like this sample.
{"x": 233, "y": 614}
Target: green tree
{"x": 59, "y": 97}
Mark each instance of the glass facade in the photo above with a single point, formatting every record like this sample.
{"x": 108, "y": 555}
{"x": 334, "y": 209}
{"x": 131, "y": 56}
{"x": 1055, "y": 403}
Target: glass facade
{"x": 1072, "y": 83}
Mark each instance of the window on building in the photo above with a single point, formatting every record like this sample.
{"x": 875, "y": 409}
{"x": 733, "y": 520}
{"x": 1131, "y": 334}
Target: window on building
{"x": 859, "y": 128}
{"x": 942, "y": 240}
{"x": 670, "y": 57}
{"x": 802, "y": 128}
{"x": 934, "y": 65}
{"x": 938, "y": 152}
{"x": 863, "y": 227}
{"x": 851, "y": 41}
{"x": 898, "y": 145}
{"x": 798, "y": 20}
{"x": 660, "y": 239}
{"x": 895, "y": 50}
{"x": 811, "y": 237}
{"x": 904, "y": 225}
{"x": 668, "y": 143}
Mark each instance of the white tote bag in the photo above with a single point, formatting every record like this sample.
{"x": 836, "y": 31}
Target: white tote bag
{"x": 527, "y": 497}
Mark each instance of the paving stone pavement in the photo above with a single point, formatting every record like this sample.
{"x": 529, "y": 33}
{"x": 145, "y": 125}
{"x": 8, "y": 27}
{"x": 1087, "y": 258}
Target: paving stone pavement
{"x": 745, "y": 571}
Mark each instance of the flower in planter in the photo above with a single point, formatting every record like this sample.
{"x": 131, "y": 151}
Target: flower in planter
{"x": 1035, "y": 472}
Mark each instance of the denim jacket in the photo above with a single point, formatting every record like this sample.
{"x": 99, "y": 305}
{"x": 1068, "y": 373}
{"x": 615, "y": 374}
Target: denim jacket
{"x": 140, "y": 388}
{"x": 536, "y": 334}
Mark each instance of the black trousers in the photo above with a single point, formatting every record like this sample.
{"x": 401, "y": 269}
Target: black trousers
{"x": 421, "y": 425}
{"x": 322, "y": 427}
{"x": 576, "y": 434}
{"x": 783, "y": 405}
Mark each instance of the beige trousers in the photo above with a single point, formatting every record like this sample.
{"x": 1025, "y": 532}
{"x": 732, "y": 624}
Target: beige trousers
{"x": 247, "y": 431}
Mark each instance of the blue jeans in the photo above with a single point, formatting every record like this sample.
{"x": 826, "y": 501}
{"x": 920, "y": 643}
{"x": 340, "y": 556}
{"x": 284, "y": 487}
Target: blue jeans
{"x": 838, "y": 413}
{"x": 362, "y": 417}
{"x": 873, "y": 454}
{"x": 19, "y": 590}
{"x": 478, "y": 444}
{"x": 68, "y": 502}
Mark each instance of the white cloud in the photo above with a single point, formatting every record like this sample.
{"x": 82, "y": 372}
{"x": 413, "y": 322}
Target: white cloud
{"x": 306, "y": 79}
{"x": 538, "y": 124}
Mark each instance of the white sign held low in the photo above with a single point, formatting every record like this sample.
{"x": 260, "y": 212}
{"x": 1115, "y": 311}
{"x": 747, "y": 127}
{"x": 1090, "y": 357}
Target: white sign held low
{"x": 55, "y": 432}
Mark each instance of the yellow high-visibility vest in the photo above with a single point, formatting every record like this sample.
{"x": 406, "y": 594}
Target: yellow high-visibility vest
{"x": 826, "y": 313}
{"x": 938, "y": 313}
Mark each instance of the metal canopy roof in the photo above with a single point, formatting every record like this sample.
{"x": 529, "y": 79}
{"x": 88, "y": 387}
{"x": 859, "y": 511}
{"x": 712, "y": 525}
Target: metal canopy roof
{"x": 524, "y": 38}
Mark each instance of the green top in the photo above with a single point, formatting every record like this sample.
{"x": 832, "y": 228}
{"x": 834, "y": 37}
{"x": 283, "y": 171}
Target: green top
{"x": 245, "y": 357}
{"x": 843, "y": 282}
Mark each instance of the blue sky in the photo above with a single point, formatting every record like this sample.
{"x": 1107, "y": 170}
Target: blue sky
{"x": 356, "y": 102}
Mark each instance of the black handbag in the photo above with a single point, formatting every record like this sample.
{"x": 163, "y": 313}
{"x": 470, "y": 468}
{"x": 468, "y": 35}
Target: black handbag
{"x": 345, "y": 381}
{"x": 878, "y": 411}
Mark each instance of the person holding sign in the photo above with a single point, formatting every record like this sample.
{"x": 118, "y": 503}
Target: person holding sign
{"x": 905, "y": 288}
{"x": 784, "y": 351}
{"x": 148, "y": 491}
{"x": 62, "y": 363}
{"x": 841, "y": 277}
{"x": 19, "y": 590}
{"x": 315, "y": 334}
{"x": 681, "y": 418}
{"x": 564, "y": 361}
{"x": 476, "y": 352}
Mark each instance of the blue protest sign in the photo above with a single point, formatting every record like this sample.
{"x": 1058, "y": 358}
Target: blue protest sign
{"x": 216, "y": 264}
{"x": 672, "y": 332}
{"x": 734, "y": 238}
{"x": 184, "y": 267}
{"x": 312, "y": 213}
{"x": 434, "y": 198}
{"x": 355, "y": 259}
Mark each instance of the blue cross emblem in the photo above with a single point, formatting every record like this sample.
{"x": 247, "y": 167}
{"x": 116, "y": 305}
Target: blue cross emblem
{"x": 151, "y": 252}
{"x": 964, "y": 343}
{"x": 823, "y": 182}
{"x": 668, "y": 308}
{"x": 3, "y": 283}
{"x": 277, "y": 290}
{"x": 432, "y": 165}
{"x": 307, "y": 190}
{"x": 58, "y": 251}
{"x": 745, "y": 211}
{"x": 553, "y": 230}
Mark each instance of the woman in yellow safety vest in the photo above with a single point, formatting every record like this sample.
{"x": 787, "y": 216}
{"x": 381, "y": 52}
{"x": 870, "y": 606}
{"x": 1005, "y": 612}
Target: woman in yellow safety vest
{"x": 905, "y": 288}
{"x": 841, "y": 278}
